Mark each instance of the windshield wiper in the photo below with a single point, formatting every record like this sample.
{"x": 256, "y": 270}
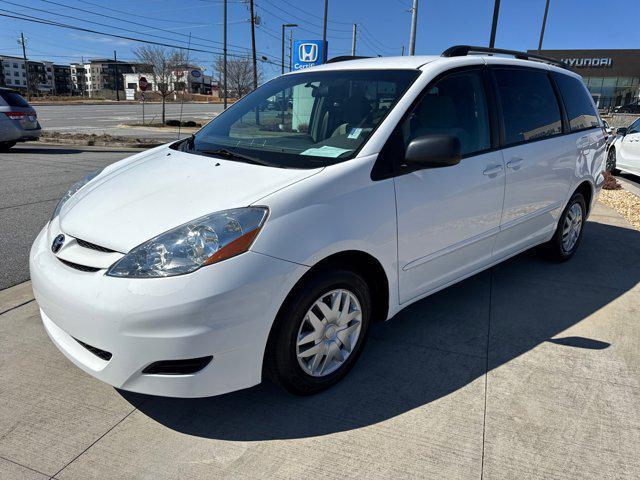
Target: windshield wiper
{"x": 229, "y": 155}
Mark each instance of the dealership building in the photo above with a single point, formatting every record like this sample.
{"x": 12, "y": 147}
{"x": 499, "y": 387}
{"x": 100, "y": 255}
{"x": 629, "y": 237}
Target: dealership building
{"x": 612, "y": 76}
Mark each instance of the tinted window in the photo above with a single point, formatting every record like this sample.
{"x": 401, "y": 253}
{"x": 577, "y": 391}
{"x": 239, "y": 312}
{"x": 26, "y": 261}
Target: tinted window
{"x": 13, "y": 99}
{"x": 580, "y": 110}
{"x": 456, "y": 105}
{"x": 634, "y": 127}
{"x": 529, "y": 105}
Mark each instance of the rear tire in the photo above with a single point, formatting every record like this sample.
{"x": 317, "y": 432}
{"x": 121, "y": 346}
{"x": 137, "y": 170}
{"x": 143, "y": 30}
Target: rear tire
{"x": 611, "y": 161}
{"x": 566, "y": 240}
{"x": 5, "y": 146}
{"x": 337, "y": 339}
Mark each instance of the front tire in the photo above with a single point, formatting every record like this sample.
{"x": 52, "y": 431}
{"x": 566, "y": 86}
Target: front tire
{"x": 320, "y": 332}
{"x": 566, "y": 240}
{"x": 5, "y": 146}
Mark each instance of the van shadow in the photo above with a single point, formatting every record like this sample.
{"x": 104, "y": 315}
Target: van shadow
{"x": 431, "y": 349}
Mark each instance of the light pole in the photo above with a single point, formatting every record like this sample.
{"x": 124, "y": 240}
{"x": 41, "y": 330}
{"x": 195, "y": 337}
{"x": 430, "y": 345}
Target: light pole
{"x": 544, "y": 23}
{"x": 224, "y": 54}
{"x": 285, "y": 25}
{"x": 414, "y": 23}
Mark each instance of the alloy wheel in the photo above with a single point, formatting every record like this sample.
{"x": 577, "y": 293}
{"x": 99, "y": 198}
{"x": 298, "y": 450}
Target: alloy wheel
{"x": 329, "y": 332}
{"x": 572, "y": 227}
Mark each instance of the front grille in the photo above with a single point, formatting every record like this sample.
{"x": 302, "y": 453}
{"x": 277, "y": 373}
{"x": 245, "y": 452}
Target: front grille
{"x": 93, "y": 246}
{"x": 103, "y": 354}
{"x": 177, "y": 367}
{"x": 82, "y": 268}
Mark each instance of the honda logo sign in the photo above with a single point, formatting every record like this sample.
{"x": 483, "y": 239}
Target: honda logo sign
{"x": 308, "y": 53}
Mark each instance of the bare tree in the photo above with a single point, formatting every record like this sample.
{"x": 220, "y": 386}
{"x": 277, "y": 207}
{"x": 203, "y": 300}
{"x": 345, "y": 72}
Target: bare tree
{"x": 239, "y": 74}
{"x": 164, "y": 64}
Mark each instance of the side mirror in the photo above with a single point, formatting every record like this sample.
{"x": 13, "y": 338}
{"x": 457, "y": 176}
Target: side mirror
{"x": 433, "y": 151}
{"x": 622, "y": 131}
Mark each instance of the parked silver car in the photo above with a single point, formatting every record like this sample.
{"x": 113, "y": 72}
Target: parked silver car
{"x": 18, "y": 120}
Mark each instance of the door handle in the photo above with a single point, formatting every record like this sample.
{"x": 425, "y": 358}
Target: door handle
{"x": 515, "y": 163}
{"x": 490, "y": 171}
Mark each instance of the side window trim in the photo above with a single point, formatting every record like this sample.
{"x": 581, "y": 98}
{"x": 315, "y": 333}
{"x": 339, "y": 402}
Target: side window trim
{"x": 379, "y": 170}
{"x": 566, "y": 127}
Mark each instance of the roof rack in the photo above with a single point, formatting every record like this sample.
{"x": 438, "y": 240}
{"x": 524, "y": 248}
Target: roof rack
{"x": 344, "y": 58}
{"x": 463, "y": 50}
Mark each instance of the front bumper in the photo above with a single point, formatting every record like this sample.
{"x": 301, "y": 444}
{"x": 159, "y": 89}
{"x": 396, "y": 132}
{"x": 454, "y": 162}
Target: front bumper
{"x": 224, "y": 310}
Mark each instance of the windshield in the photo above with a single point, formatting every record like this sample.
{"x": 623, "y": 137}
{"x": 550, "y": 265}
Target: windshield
{"x": 305, "y": 120}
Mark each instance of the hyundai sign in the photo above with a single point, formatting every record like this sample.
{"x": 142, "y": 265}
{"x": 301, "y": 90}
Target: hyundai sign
{"x": 308, "y": 53}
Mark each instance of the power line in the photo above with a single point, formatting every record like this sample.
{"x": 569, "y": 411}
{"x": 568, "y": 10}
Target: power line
{"x": 127, "y": 21}
{"x": 33, "y": 19}
{"x": 303, "y": 19}
{"x": 102, "y": 24}
{"x": 315, "y": 16}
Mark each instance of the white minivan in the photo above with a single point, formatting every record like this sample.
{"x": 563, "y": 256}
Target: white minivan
{"x": 268, "y": 243}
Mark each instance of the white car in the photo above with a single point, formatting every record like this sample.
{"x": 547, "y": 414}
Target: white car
{"x": 271, "y": 240}
{"x": 624, "y": 153}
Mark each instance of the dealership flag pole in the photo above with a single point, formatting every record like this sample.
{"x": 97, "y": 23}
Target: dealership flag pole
{"x": 544, "y": 23}
{"x": 353, "y": 40}
{"x": 224, "y": 54}
{"x": 494, "y": 24}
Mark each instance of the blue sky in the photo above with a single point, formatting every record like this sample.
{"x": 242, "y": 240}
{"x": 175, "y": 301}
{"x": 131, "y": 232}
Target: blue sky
{"x": 383, "y": 25}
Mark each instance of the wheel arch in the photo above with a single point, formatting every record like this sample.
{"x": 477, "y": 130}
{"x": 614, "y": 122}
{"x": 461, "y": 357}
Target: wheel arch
{"x": 587, "y": 190}
{"x": 356, "y": 260}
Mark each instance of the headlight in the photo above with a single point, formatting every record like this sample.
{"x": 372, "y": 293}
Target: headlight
{"x": 201, "y": 242}
{"x": 74, "y": 188}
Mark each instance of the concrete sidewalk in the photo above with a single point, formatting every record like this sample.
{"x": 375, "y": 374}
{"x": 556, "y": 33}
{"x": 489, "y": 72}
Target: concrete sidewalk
{"x": 529, "y": 370}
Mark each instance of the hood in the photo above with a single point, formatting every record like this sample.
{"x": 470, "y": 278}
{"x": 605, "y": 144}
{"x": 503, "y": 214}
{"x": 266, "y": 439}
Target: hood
{"x": 150, "y": 193}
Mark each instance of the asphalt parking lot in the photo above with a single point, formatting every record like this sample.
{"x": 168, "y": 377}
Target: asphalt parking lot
{"x": 33, "y": 177}
{"x": 528, "y": 370}
{"x": 106, "y": 118}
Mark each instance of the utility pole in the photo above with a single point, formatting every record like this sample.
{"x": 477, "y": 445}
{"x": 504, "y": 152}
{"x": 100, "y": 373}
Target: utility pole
{"x": 26, "y": 63}
{"x": 544, "y": 23}
{"x": 290, "y": 49}
{"x": 324, "y": 30}
{"x": 414, "y": 22}
{"x": 285, "y": 25}
{"x": 224, "y": 55}
{"x": 494, "y": 25}
{"x": 253, "y": 45}
{"x": 116, "y": 79}
{"x": 353, "y": 40}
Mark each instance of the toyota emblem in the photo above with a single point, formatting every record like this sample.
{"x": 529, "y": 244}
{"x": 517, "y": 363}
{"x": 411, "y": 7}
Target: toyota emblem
{"x": 57, "y": 243}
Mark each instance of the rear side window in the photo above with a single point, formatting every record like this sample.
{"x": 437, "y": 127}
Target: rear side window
{"x": 580, "y": 110}
{"x": 13, "y": 99}
{"x": 529, "y": 105}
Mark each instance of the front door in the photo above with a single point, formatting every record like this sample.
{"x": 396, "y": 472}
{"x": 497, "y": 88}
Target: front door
{"x": 448, "y": 217}
{"x": 628, "y": 155}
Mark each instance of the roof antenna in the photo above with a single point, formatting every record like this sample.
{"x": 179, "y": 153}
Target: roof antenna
{"x": 186, "y": 84}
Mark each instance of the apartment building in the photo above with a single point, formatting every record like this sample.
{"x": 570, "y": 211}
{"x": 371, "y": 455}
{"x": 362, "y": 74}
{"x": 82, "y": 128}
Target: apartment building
{"x": 38, "y": 74}
{"x": 100, "y": 77}
{"x": 62, "y": 79}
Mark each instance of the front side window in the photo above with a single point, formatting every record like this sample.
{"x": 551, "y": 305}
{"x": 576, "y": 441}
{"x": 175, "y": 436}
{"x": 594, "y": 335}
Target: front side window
{"x": 634, "y": 127}
{"x": 305, "y": 120}
{"x": 455, "y": 105}
{"x": 580, "y": 110}
{"x": 529, "y": 105}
